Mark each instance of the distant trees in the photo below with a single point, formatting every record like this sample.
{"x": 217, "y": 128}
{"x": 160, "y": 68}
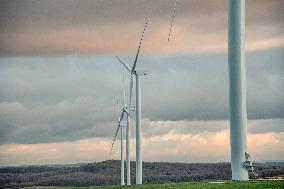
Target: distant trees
{"x": 108, "y": 172}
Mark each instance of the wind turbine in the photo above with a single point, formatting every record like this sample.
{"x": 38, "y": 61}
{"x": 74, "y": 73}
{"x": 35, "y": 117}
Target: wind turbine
{"x": 120, "y": 126}
{"x": 137, "y": 73}
{"x": 121, "y": 153}
{"x": 240, "y": 163}
{"x": 128, "y": 175}
{"x": 237, "y": 82}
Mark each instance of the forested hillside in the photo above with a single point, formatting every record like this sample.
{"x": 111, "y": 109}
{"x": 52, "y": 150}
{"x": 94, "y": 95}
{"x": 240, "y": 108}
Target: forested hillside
{"x": 108, "y": 172}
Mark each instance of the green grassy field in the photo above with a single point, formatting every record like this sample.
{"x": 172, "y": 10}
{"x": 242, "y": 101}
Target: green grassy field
{"x": 192, "y": 185}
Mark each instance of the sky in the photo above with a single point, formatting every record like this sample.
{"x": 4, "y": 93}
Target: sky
{"x": 60, "y": 79}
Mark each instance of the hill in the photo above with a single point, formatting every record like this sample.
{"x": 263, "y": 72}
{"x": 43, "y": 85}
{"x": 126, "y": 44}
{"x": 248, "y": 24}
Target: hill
{"x": 108, "y": 172}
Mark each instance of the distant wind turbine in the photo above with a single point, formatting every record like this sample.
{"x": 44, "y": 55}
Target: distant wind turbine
{"x": 128, "y": 175}
{"x": 121, "y": 152}
{"x": 120, "y": 126}
{"x": 137, "y": 73}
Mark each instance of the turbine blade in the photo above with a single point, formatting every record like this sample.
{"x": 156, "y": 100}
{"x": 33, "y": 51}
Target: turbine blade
{"x": 136, "y": 58}
{"x": 121, "y": 117}
{"x": 124, "y": 64}
{"x": 117, "y": 129}
{"x": 173, "y": 18}
{"x": 114, "y": 138}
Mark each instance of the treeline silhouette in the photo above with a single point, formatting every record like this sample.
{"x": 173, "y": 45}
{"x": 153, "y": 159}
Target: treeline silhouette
{"x": 108, "y": 172}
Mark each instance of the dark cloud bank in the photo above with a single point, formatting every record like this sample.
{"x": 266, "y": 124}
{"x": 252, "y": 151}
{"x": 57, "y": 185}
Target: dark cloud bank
{"x": 70, "y": 98}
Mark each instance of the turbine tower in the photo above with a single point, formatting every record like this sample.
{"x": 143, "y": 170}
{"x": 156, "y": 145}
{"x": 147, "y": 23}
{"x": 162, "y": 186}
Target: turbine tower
{"x": 120, "y": 126}
{"x": 137, "y": 73}
{"x": 128, "y": 175}
{"x": 121, "y": 139}
{"x": 237, "y": 81}
{"x": 121, "y": 157}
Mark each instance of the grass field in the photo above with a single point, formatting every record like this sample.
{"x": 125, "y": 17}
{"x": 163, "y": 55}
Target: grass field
{"x": 193, "y": 185}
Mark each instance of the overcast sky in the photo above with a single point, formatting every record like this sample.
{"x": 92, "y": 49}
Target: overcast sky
{"x": 60, "y": 79}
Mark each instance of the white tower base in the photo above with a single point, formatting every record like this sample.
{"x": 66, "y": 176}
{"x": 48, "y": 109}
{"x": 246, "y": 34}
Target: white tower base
{"x": 138, "y": 132}
{"x": 122, "y": 156}
{"x": 128, "y": 175}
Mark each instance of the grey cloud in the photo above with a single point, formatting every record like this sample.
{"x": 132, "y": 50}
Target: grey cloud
{"x": 263, "y": 126}
{"x": 156, "y": 128}
{"x": 50, "y": 80}
{"x": 20, "y": 18}
{"x": 196, "y": 87}
{"x": 70, "y": 98}
{"x": 62, "y": 99}
{"x": 63, "y": 121}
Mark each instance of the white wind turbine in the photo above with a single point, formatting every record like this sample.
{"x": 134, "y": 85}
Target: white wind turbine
{"x": 240, "y": 163}
{"x": 121, "y": 126}
{"x": 128, "y": 175}
{"x": 237, "y": 87}
{"x": 137, "y": 73}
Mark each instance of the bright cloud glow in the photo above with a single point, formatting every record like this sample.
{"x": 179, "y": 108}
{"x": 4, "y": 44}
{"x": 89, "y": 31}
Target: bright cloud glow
{"x": 201, "y": 147}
